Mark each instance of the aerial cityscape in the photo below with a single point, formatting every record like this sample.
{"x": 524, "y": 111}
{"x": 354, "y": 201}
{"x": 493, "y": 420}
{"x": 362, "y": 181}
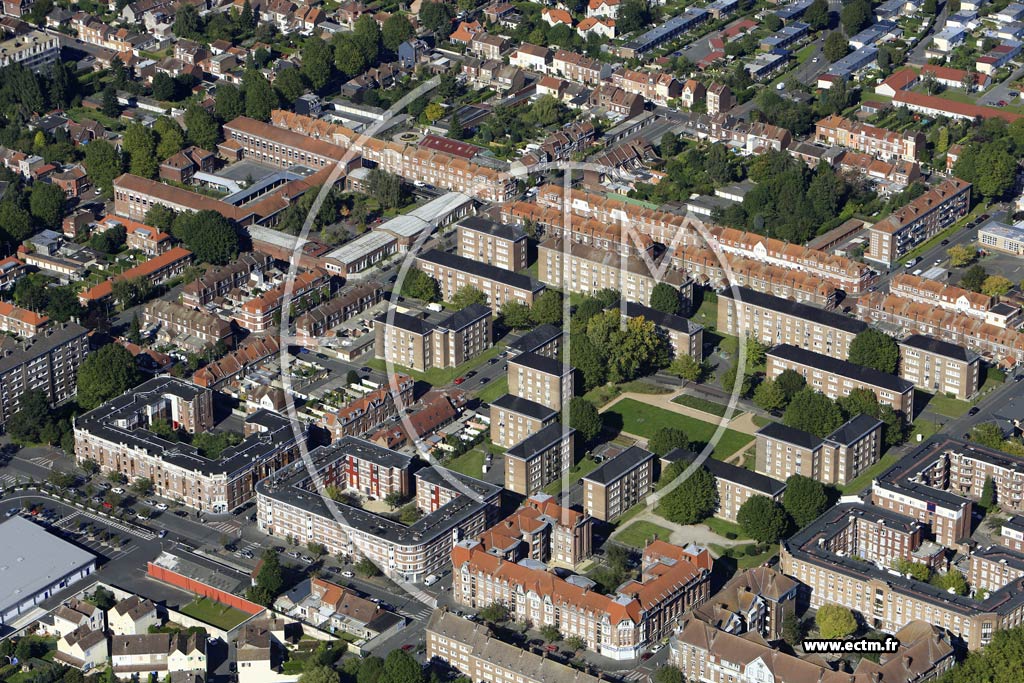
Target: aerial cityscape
{"x": 619, "y": 341}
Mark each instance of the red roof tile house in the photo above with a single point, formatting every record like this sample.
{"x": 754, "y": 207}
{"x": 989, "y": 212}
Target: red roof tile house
{"x": 20, "y": 321}
{"x": 182, "y": 167}
{"x": 254, "y": 351}
{"x": 73, "y": 180}
{"x": 157, "y": 269}
{"x": 259, "y": 313}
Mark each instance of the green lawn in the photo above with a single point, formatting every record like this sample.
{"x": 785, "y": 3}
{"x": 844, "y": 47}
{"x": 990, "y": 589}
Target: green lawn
{"x": 943, "y": 405}
{"x": 577, "y": 471}
{"x": 470, "y": 463}
{"x": 762, "y": 421}
{"x": 436, "y": 376}
{"x": 638, "y": 533}
{"x": 495, "y": 390}
{"x": 630, "y": 514}
{"x": 703, "y": 405}
{"x": 861, "y": 482}
{"x": 214, "y": 613}
{"x": 644, "y": 420}
{"x": 804, "y": 53}
{"x": 707, "y": 314}
{"x": 606, "y": 392}
{"x": 723, "y": 527}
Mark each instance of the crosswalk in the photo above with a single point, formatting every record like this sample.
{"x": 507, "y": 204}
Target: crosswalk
{"x": 634, "y": 676}
{"x": 422, "y": 613}
{"x": 229, "y": 528}
{"x": 42, "y": 461}
{"x": 144, "y": 534}
{"x": 8, "y": 480}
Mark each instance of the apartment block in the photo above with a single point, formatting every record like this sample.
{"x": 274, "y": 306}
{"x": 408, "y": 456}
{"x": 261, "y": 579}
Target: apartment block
{"x": 513, "y": 419}
{"x": 756, "y": 601}
{"x": 279, "y": 147}
{"x": 47, "y": 362}
{"x": 939, "y": 367}
{"x": 837, "y": 459}
{"x": 618, "y": 484}
{"x": 289, "y": 504}
{"x": 771, "y": 320}
{"x": 837, "y": 378}
{"x": 472, "y": 649}
{"x": 992, "y": 567}
{"x": 540, "y": 379}
{"x": 453, "y": 272}
{"x": 686, "y": 338}
{"x": 117, "y": 437}
{"x": 189, "y": 328}
{"x": 368, "y": 412}
{"x": 544, "y": 340}
{"x": 583, "y": 269}
{"x": 917, "y": 222}
{"x": 736, "y": 485}
{"x": 673, "y": 580}
{"x": 540, "y": 459}
{"x": 1011, "y": 534}
{"x": 543, "y": 531}
{"x": 945, "y": 296}
{"x": 878, "y": 142}
{"x": 492, "y": 243}
{"x": 373, "y": 471}
{"x": 34, "y": 50}
{"x": 441, "y": 341}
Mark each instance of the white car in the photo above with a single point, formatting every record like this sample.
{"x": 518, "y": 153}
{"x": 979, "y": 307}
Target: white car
{"x": 161, "y": 506}
{"x": 347, "y": 574}
{"x": 118, "y": 490}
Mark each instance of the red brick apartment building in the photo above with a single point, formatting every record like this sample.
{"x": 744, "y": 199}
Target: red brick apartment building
{"x": 544, "y": 531}
{"x": 258, "y": 314}
{"x": 368, "y": 412}
{"x": 917, "y": 222}
{"x": 217, "y": 282}
{"x": 140, "y": 236}
{"x": 673, "y": 580}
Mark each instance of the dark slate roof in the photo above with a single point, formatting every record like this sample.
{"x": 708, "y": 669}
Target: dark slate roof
{"x": 540, "y": 363}
{"x": 483, "y": 270}
{"x": 467, "y": 316}
{"x": 841, "y": 367}
{"x": 500, "y": 230}
{"x": 517, "y": 404}
{"x": 410, "y": 323}
{"x": 616, "y": 467}
{"x": 797, "y": 437}
{"x": 539, "y": 442}
{"x": 854, "y": 429}
{"x": 666, "y": 320}
{"x": 939, "y": 347}
{"x": 739, "y": 475}
{"x": 536, "y": 338}
{"x": 366, "y": 450}
{"x": 795, "y": 309}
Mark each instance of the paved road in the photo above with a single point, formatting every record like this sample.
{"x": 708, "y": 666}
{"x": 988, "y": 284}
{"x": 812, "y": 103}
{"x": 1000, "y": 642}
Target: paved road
{"x": 1003, "y": 90}
{"x": 917, "y": 56}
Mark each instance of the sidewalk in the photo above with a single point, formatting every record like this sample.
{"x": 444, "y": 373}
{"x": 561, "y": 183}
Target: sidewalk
{"x": 683, "y": 533}
{"x": 741, "y": 420}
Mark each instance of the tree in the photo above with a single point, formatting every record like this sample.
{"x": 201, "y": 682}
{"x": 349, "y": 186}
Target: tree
{"x": 455, "y": 129}
{"x": 290, "y": 84}
{"x": 804, "y": 499}
{"x": 142, "y": 486}
{"x": 988, "y": 494}
{"x": 669, "y": 673}
{"x": 247, "y": 18}
{"x": 769, "y": 396}
{"x": 590, "y": 362}
{"x": 996, "y": 285}
{"x": 988, "y": 434}
{"x": 104, "y": 374}
{"x": 401, "y": 667}
{"x": 103, "y": 163}
{"x": 229, "y": 102}
{"x": 835, "y": 622}
{"x": 437, "y": 17}
{"x": 688, "y": 368}
{"x": 729, "y": 382}
{"x": 188, "y": 23}
{"x": 63, "y": 304}
{"x": 140, "y": 146}
{"x": 366, "y": 567}
{"x": 208, "y": 235}
{"x": 160, "y": 217}
{"x": 434, "y": 111}
{"x": 974, "y": 278}
{"x": 26, "y": 424}
{"x": 666, "y": 439}
{"x": 875, "y": 349}
{"x": 547, "y": 308}
{"x": 952, "y": 581}
{"x": 270, "y": 578}
{"x": 792, "y": 629}
{"x": 665, "y": 298}
{"x": 961, "y": 255}
{"x": 103, "y": 598}
{"x": 762, "y": 519}
{"x": 320, "y": 674}
{"x": 930, "y": 7}
{"x": 419, "y": 285}
{"x": 693, "y": 500}
{"x": 170, "y": 137}
{"x": 317, "y": 62}
{"x": 109, "y": 106}
{"x": 584, "y": 418}
{"x": 816, "y": 15}
{"x": 916, "y": 570}
{"x": 385, "y": 187}
{"x": 260, "y": 98}
{"x": 366, "y": 35}
{"x": 46, "y": 204}
{"x": 550, "y": 633}
{"x": 813, "y": 412}
{"x": 467, "y": 296}
{"x": 836, "y": 46}
{"x": 494, "y": 613}
{"x": 756, "y": 352}
{"x": 396, "y": 30}
{"x": 165, "y": 88}
{"x": 855, "y": 16}
{"x": 516, "y": 315}
{"x": 633, "y": 16}
{"x": 203, "y": 130}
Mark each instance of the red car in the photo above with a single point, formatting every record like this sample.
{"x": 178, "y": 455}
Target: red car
{"x": 108, "y": 506}
{"x": 407, "y": 647}
{"x": 460, "y": 380}
{"x": 552, "y": 648}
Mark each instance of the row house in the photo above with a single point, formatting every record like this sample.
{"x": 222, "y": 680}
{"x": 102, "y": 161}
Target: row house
{"x": 861, "y": 137}
{"x": 655, "y": 87}
{"x": 995, "y": 342}
{"x": 317, "y": 322}
{"x": 156, "y": 270}
{"x": 945, "y": 296}
{"x": 572, "y": 138}
{"x": 218, "y": 281}
{"x": 259, "y": 313}
{"x": 254, "y": 351}
{"x": 487, "y": 46}
{"x": 189, "y": 328}
{"x": 21, "y": 322}
{"x": 366, "y": 413}
{"x": 615, "y": 100}
{"x": 531, "y": 57}
{"x": 575, "y": 67}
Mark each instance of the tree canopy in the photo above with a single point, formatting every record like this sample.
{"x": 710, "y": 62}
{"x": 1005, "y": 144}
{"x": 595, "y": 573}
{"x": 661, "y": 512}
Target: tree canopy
{"x": 762, "y": 519}
{"x": 693, "y": 500}
{"x": 419, "y": 285}
{"x": 835, "y": 621}
{"x": 208, "y": 235}
{"x": 804, "y": 499}
{"x": 813, "y": 412}
{"x": 584, "y": 418}
{"x": 104, "y": 374}
{"x": 875, "y": 349}
{"x": 665, "y": 298}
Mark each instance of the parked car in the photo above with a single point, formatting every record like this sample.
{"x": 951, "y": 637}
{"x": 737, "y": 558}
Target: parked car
{"x": 944, "y": 242}
{"x": 347, "y": 574}
{"x": 161, "y": 506}
{"x": 163, "y": 532}
{"x": 431, "y": 580}
{"x": 118, "y": 490}
{"x": 974, "y": 411}
{"x": 460, "y": 380}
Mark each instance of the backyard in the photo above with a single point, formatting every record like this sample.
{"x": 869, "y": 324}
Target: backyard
{"x": 214, "y": 613}
{"x": 638, "y": 534}
{"x": 633, "y": 417}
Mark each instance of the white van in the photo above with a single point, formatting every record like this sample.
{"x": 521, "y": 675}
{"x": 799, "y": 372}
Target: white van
{"x": 431, "y": 580}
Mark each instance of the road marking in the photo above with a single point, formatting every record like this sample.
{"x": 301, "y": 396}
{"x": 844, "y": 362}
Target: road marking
{"x": 227, "y": 527}
{"x": 42, "y": 461}
{"x": 141, "y": 533}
